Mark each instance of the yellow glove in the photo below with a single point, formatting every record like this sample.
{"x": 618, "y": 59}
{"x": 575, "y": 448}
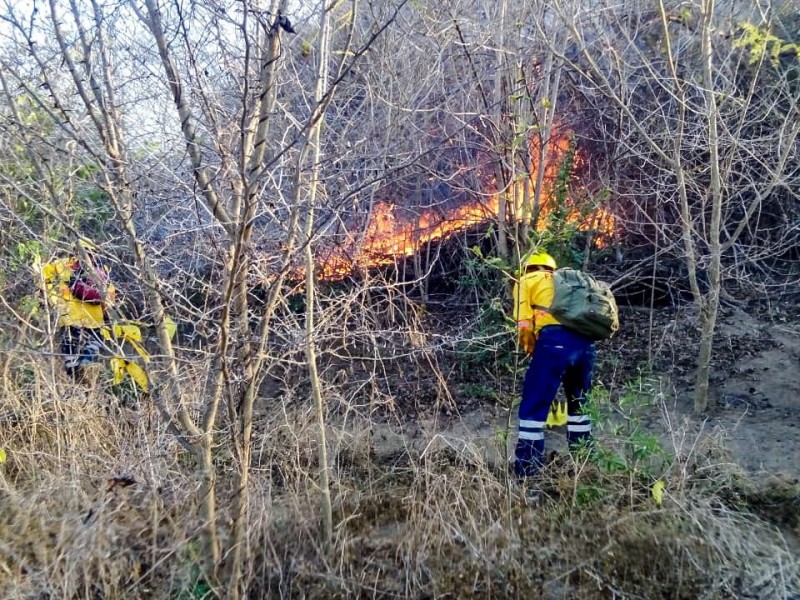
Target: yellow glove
{"x": 527, "y": 340}
{"x": 558, "y": 414}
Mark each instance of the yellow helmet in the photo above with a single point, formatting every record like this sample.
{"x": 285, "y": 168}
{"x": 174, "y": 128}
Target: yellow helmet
{"x": 541, "y": 259}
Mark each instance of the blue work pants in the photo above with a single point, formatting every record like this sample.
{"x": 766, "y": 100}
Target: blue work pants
{"x": 80, "y": 346}
{"x": 561, "y": 356}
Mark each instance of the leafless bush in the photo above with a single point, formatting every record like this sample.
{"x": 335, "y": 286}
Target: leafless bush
{"x": 94, "y": 505}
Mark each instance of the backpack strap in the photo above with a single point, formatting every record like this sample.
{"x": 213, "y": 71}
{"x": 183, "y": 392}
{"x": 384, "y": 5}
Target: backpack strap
{"x": 542, "y": 308}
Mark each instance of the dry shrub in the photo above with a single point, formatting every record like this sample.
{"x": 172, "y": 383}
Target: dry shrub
{"x": 777, "y": 500}
{"x": 424, "y": 517}
{"x": 444, "y": 523}
{"x": 92, "y": 496}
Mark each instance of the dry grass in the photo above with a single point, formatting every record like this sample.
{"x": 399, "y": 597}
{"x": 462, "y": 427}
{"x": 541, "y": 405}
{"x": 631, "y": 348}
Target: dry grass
{"x": 425, "y": 520}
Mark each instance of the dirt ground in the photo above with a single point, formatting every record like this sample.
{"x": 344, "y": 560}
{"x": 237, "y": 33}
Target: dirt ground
{"x": 753, "y": 404}
{"x": 758, "y": 398}
{"x": 755, "y": 384}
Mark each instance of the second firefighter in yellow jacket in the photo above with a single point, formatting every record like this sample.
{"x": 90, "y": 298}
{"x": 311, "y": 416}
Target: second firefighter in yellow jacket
{"x": 78, "y": 292}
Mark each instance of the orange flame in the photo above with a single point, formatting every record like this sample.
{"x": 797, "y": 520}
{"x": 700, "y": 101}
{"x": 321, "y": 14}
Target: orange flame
{"x": 389, "y": 235}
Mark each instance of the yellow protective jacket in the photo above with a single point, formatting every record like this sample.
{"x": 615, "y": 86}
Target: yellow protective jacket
{"x": 534, "y": 289}
{"x": 70, "y": 312}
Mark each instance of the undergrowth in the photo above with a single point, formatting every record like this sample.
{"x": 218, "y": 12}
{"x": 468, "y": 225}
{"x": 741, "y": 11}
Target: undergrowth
{"x": 97, "y": 503}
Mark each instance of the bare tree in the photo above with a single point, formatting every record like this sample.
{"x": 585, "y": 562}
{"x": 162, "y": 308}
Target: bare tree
{"x": 236, "y": 157}
{"x": 689, "y": 114}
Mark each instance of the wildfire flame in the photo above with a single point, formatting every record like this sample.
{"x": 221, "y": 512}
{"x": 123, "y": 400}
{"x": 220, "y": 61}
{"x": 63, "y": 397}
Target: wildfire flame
{"x": 389, "y": 235}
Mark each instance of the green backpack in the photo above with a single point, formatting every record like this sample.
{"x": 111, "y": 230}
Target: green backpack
{"x": 584, "y": 304}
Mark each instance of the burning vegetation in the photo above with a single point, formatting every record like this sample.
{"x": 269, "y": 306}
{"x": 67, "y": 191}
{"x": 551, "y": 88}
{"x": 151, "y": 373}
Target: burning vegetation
{"x": 391, "y": 231}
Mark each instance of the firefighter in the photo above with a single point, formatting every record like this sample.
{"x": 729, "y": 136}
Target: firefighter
{"x": 80, "y": 291}
{"x": 558, "y": 355}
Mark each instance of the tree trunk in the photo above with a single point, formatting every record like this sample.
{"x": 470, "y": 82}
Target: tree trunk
{"x": 502, "y": 147}
{"x": 708, "y": 315}
{"x": 551, "y": 85}
{"x": 326, "y": 510}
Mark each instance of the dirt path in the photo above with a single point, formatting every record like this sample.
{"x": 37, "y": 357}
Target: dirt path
{"x": 754, "y": 396}
{"x": 758, "y": 400}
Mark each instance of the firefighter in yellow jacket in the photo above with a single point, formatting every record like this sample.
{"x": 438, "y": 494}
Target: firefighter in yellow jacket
{"x": 80, "y": 293}
{"x": 558, "y": 355}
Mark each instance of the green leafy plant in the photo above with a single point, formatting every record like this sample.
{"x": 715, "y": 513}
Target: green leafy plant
{"x": 761, "y": 43}
{"x": 484, "y": 276}
{"x": 196, "y": 586}
{"x": 489, "y": 343}
{"x": 563, "y": 233}
{"x": 587, "y": 495}
{"x": 630, "y": 447}
{"x": 479, "y": 390}
{"x": 25, "y": 252}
